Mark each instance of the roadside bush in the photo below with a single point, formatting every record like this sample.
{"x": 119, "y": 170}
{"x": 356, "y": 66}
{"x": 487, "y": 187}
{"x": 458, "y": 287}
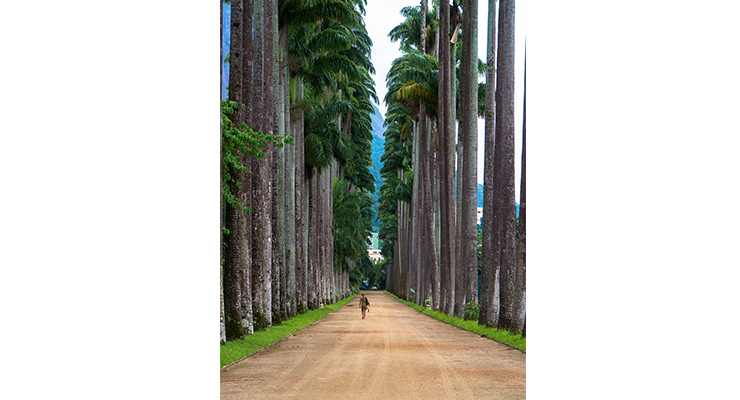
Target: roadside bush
{"x": 472, "y": 311}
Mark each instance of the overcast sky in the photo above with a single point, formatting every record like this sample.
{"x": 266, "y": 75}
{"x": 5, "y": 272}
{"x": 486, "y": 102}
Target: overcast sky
{"x": 383, "y": 15}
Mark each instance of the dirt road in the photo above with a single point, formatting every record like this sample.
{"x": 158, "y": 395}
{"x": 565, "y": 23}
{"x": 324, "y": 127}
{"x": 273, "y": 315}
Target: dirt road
{"x": 394, "y": 353}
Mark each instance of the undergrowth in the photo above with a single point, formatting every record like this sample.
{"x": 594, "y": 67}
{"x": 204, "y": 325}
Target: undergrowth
{"x": 499, "y": 335}
{"x": 235, "y": 350}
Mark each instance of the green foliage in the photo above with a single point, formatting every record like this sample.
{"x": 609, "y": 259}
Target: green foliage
{"x": 235, "y": 350}
{"x": 372, "y": 272}
{"x": 472, "y": 311}
{"x": 499, "y": 335}
{"x": 236, "y": 144}
{"x": 413, "y": 80}
{"x": 352, "y": 224}
{"x": 408, "y": 33}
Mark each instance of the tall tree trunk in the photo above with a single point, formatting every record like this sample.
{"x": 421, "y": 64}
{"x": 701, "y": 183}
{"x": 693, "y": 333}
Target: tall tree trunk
{"x": 323, "y": 219}
{"x": 233, "y": 276}
{"x": 460, "y": 275}
{"x": 300, "y": 216}
{"x": 504, "y": 208}
{"x": 520, "y": 285}
{"x": 272, "y": 100}
{"x": 469, "y": 231}
{"x": 429, "y": 262}
{"x": 291, "y": 215}
{"x": 436, "y": 172}
{"x": 232, "y": 286}
{"x": 489, "y": 290}
{"x": 402, "y": 250}
{"x": 456, "y": 156}
{"x": 261, "y": 219}
{"x": 447, "y": 178}
{"x": 223, "y": 321}
{"x": 222, "y": 204}
{"x": 414, "y": 244}
{"x": 313, "y": 238}
{"x": 246, "y": 178}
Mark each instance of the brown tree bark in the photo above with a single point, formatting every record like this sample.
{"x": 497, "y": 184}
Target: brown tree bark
{"x": 272, "y": 100}
{"x": 469, "y": 229}
{"x": 233, "y": 276}
{"x": 246, "y": 178}
{"x": 489, "y": 283}
{"x": 289, "y": 199}
{"x": 300, "y": 201}
{"x": 504, "y": 208}
{"x": 261, "y": 219}
{"x": 520, "y": 283}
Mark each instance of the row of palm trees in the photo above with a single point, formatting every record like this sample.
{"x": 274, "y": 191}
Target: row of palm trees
{"x": 296, "y": 147}
{"x": 427, "y": 206}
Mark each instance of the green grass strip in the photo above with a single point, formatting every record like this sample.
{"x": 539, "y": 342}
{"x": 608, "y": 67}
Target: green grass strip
{"x": 235, "y": 350}
{"x": 499, "y": 335}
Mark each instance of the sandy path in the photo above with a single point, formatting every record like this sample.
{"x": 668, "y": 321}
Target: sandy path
{"x": 394, "y": 353}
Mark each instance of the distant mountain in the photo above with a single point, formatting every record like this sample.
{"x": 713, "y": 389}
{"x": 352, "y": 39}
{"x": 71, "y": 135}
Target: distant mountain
{"x": 377, "y": 123}
{"x": 378, "y": 146}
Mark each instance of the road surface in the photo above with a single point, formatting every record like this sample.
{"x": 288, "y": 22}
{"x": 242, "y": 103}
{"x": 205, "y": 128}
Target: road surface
{"x": 394, "y": 353}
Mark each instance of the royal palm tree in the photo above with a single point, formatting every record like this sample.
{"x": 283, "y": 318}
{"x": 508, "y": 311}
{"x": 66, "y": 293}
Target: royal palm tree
{"x": 262, "y": 202}
{"x": 504, "y": 213}
{"x": 233, "y": 275}
{"x": 408, "y": 33}
{"x": 468, "y": 230}
{"x": 489, "y": 275}
{"x": 447, "y": 177}
{"x": 520, "y": 283}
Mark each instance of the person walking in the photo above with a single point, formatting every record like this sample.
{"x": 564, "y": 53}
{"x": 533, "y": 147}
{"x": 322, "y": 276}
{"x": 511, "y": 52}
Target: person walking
{"x": 364, "y": 304}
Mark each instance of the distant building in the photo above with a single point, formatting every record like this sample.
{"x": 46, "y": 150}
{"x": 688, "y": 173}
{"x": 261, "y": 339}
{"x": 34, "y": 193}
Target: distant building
{"x": 480, "y": 215}
{"x": 374, "y": 254}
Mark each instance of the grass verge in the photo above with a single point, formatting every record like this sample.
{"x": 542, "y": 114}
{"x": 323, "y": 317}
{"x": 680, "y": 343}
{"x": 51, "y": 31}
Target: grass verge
{"x": 235, "y": 350}
{"x": 499, "y": 335}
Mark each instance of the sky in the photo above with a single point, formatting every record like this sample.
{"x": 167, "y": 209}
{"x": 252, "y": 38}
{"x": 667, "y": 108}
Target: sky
{"x": 382, "y": 15}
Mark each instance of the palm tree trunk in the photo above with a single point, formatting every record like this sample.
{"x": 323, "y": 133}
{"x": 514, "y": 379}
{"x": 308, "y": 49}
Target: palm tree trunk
{"x": 456, "y": 158}
{"x": 520, "y": 284}
{"x": 437, "y": 280}
{"x": 313, "y": 239}
{"x": 233, "y": 276}
{"x": 300, "y": 209}
{"x": 261, "y": 219}
{"x": 469, "y": 229}
{"x": 429, "y": 262}
{"x": 447, "y": 169}
{"x": 504, "y": 209}
{"x": 324, "y": 241}
{"x": 271, "y": 153}
{"x": 223, "y": 321}
{"x": 232, "y": 286}
{"x": 222, "y": 205}
{"x": 415, "y": 244}
{"x": 489, "y": 290}
{"x": 460, "y": 275}
{"x": 289, "y": 186}
{"x": 246, "y": 178}
{"x": 401, "y": 252}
